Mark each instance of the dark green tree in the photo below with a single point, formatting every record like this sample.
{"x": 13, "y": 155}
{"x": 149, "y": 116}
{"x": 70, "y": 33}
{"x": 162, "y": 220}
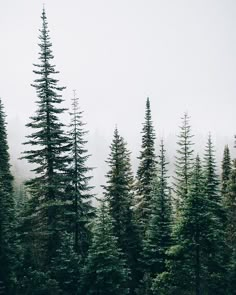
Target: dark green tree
{"x": 7, "y": 212}
{"x": 212, "y": 180}
{"x": 48, "y": 147}
{"x": 66, "y": 267}
{"x": 146, "y": 170}
{"x": 226, "y": 171}
{"x": 119, "y": 193}
{"x": 6, "y": 177}
{"x": 230, "y": 205}
{"x": 158, "y": 236}
{"x": 184, "y": 161}
{"x": 105, "y": 270}
{"x": 80, "y": 208}
{"x": 189, "y": 269}
{"x": 217, "y": 258}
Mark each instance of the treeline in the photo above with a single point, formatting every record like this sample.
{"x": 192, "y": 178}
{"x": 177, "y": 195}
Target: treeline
{"x": 146, "y": 236}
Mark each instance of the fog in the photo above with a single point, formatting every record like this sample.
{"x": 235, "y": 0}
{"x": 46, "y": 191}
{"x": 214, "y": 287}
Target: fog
{"x": 116, "y": 53}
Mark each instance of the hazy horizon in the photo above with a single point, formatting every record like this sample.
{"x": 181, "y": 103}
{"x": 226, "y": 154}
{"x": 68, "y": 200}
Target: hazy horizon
{"x": 181, "y": 54}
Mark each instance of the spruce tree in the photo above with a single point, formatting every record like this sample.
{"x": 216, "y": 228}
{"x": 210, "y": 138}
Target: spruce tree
{"x": 48, "y": 145}
{"x": 230, "y": 205}
{"x": 217, "y": 258}
{"x": 119, "y": 193}
{"x": 81, "y": 209}
{"x": 184, "y": 161}
{"x": 226, "y": 171}
{"x": 146, "y": 170}
{"x": 105, "y": 271}
{"x": 158, "y": 236}
{"x": 7, "y": 212}
{"x": 212, "y": 181}
{"x": 6, "y": 177}
{"x": 189, "y": 270}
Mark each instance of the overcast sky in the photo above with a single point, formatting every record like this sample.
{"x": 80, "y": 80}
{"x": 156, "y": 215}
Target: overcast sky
{"x": 182, "y": 54}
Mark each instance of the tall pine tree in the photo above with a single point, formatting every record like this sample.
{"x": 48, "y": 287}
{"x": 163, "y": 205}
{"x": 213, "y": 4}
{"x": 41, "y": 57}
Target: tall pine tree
{"x": 79, "y": 176}
{"x": 226, "y": 171}
{"x": 146, "y": 170}
{"x": 217, "y": 258}
{"x": 184, "y": 161}
{"x": 119, "y": 193}
{"x": 48, "y": 147}
{"x": 7, "y": 212}
{"x": 158, "y": 236}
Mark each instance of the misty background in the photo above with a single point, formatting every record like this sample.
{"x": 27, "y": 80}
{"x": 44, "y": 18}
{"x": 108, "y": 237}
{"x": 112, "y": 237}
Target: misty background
{"x": 181, "y": 54}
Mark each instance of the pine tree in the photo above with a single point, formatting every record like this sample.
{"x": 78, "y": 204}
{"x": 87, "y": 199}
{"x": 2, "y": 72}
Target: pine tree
{"x": 7, "y": 212}
{"x": 49, "y": 147}
{"x": 195, "y": 231}
{"x": 184, "y": 161}
{"x": 119, "y": 193}
{"x": 230, "y": 205}
{"x": 158, "y": 236}
{"x": 226, "y": 171}
{"x": 6, "y": 177}
{"x": 105, "y": 271}
{"x": 217, "y": 259}
{"x": 78, "y": 173}
{"x": 212, "y": 181}
{"x": 146, "y": 170}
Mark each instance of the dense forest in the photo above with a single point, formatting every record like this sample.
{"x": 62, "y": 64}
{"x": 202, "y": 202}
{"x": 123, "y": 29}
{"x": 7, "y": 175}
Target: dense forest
{"x": 144, "y": 236}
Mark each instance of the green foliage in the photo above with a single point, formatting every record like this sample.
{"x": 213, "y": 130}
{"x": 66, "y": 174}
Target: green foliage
{"x": 146, "y": 170}
{"x": 105, "y": 271}
{"x": 7, "y": 213}
{"x": 50, "y": 242}
{"x": 226, "y": 171}
{"x": 79, "y": 207}
{"x": 119, "y": 193}
{"x": 65, "y": 267}
{"x": 196, "y": 263}
{"x": 230, "y": 205}
{"x": 6, "y": 177}
{"x": 38, "y": 283}
{"x": 158, "y": 236}
{"x": 184, "y": 161}
{"x": 218, "y": 258}
{"x": 48, "y": 148}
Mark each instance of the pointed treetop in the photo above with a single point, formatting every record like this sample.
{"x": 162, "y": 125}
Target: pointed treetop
{"x": 209, "y": 146}
{"x": 44, "y": 12}
{"x": 75, "y": 104}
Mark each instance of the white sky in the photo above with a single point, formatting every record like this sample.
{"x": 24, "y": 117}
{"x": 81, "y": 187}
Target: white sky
{"x": 182, "y": 54}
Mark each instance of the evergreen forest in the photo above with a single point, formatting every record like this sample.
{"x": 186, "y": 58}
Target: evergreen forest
{"x": 149, "y": 233}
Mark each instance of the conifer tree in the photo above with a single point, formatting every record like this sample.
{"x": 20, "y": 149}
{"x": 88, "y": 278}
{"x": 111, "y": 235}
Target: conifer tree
{"x": 226, "y": 171}
{"x": 217, "y": 259}
{"x": 48, "y": 147}
{"x": 191, "y": 259}
{"x": 146, "y": 170}
{"x": 7, "y": 212}
{"x": 119, "y": 193}
{"x": 6, "y": 177}
{"x": 78, "y": 173}
{"x": 105, "y": 270}
{"x": 212, "y": 180}
{"x": 158, "y": 236}
{"x": 230, "y": 205}
{"x": 184, "y": 161}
